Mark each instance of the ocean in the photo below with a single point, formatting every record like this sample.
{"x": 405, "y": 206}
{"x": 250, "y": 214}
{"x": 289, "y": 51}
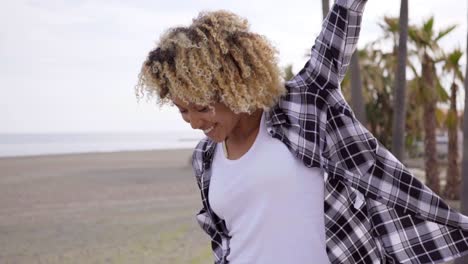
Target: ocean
{"x": 13, "y": 145}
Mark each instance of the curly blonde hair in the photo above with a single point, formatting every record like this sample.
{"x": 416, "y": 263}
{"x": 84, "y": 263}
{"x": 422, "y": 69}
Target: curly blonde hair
{"x": 215, "y": 59}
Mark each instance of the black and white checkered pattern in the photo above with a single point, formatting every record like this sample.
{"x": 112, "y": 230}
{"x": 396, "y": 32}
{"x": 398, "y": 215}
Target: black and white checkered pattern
{"x": 375, "y": 210}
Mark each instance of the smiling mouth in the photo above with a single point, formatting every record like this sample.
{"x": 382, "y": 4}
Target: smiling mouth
{"x": 208, "y": 130}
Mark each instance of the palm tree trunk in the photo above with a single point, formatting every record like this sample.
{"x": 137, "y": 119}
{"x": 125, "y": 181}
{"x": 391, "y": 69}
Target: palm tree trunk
{"x": 399, "y": 116}
{"x": 325, "y": 7}
{"x": 357, "y": 100}
{"x": 464, "y": 178}
{"x": 464, "y": 190}
{"x": 430, "y": 152}
{"x": 452, "y": 188}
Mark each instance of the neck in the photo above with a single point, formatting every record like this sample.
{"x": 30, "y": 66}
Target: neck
{"x": 247, "y": 126}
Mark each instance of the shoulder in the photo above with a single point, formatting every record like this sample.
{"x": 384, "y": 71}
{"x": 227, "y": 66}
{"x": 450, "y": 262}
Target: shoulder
{"x": 303, "y": 101}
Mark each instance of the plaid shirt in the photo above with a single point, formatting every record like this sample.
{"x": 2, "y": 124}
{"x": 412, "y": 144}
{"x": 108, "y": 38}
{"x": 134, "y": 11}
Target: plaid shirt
{"x": 375, "y": 210}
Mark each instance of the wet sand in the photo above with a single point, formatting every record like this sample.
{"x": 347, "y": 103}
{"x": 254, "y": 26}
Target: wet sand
{"x": 122, "y": 207}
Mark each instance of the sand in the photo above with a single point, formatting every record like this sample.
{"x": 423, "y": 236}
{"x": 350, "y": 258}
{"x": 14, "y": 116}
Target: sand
{"x": 122, "y": 207}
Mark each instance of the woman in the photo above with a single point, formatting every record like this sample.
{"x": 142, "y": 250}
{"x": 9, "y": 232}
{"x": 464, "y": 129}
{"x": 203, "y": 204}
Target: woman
{"x": 287, "y": 174}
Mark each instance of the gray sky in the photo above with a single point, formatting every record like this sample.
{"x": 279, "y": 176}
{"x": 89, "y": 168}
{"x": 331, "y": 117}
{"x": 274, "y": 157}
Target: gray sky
{"x": 70, "y": 66}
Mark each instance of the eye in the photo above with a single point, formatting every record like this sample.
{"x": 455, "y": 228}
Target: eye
{"x": 182, "y": 111}
{"x": 204, "y": 110}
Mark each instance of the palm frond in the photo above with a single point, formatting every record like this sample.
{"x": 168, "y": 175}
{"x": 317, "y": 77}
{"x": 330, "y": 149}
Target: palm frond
{"x": 442, "y": 94}
{"x": 444, "y": 32}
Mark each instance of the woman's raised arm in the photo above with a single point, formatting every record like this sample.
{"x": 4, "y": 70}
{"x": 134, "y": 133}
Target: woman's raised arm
{"x": 333, "y": 48}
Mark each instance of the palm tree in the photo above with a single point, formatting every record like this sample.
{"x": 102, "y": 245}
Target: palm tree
{"x": 464, "y": 193}
{"x": 464, "y": 201}
{"x": 416, "y": 101}
{"x": 378, "y": 76}
{"x": 391, "y": 30}
{"x": 325, "y": 7}
{"x": 426, "y": 41}
{"x": 374, "y": 67}
{"x": 357, "y": 100}
{"x": 288, "y": 72}
{"x": 452, "y": 66}
{"x": 387, "y": 61}
{"x": 464, "y": 198}
{"x": 398, "y": 147}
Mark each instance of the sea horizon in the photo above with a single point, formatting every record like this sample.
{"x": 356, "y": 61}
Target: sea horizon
{"x": 34, "y": 144}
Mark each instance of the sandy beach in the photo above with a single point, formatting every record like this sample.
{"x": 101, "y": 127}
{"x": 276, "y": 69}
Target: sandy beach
{"x": 122, "y": 207}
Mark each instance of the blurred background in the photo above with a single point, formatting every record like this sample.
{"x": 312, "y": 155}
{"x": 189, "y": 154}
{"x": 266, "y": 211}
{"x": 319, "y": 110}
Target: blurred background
{"x": 90, "y": 175}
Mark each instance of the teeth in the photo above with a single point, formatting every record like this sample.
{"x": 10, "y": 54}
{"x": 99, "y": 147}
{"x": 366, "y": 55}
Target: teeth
{"x": 208, "y": 130}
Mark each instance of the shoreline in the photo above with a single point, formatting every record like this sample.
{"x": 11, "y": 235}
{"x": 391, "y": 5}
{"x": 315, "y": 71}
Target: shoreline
{"x": 92, "y": 152}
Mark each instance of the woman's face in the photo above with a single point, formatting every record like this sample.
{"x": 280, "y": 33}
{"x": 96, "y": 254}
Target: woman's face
{"x": 216, "y": 122}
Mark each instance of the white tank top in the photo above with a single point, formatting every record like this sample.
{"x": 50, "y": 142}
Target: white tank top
{"x": 272, "y": 204}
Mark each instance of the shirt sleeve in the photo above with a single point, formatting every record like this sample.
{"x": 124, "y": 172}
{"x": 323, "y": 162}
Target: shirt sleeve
{"x": 355, "y": 156}
{"x": 333, "y": 48}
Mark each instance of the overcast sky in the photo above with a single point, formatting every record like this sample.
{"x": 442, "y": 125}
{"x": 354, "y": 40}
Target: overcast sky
{"x": 70, "y": 66}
